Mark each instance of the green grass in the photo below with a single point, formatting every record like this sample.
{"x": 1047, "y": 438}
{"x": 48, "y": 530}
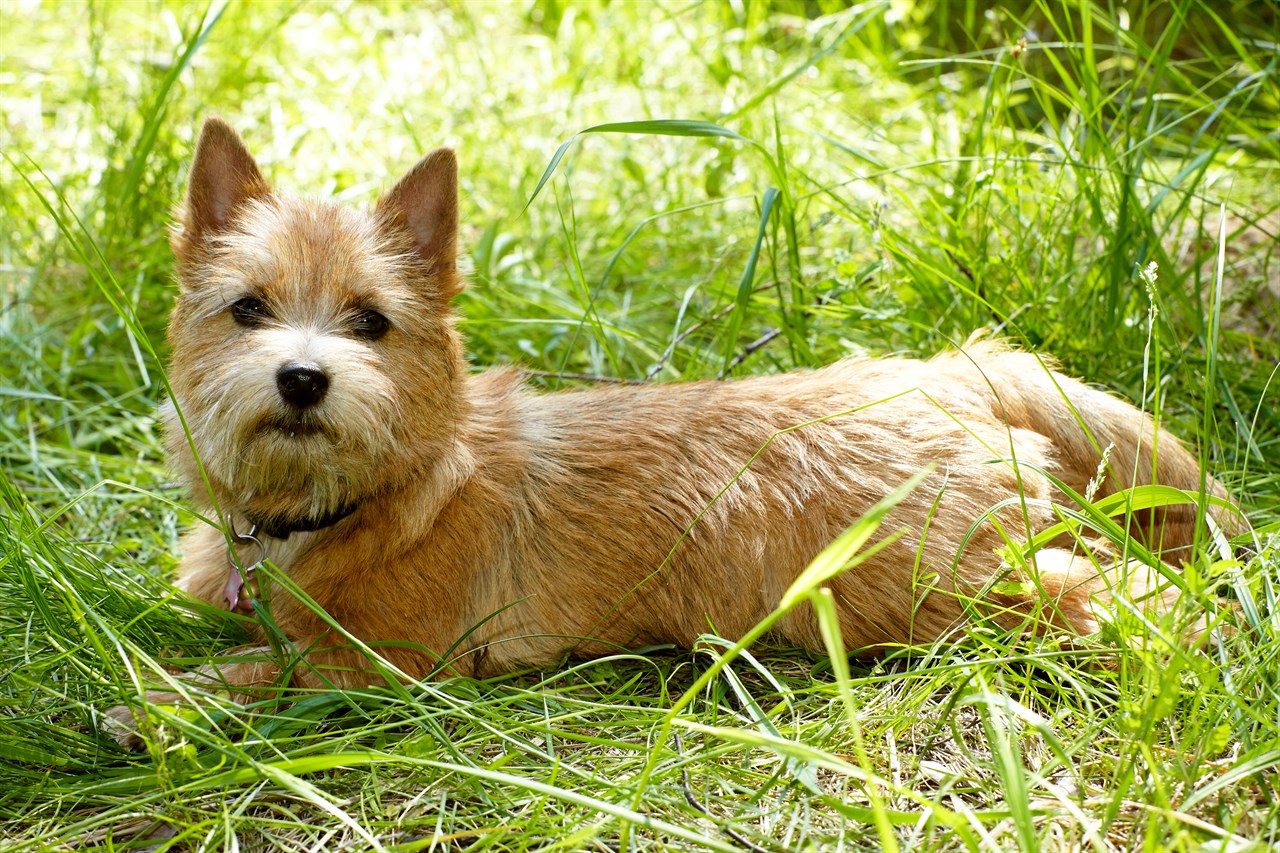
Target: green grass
{"x": 890, "y": 178}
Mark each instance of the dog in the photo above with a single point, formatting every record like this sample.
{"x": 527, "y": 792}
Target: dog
{"x": 461, "y": 524}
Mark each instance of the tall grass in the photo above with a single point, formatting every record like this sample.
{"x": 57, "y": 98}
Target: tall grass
{"x": 656, "y": 193}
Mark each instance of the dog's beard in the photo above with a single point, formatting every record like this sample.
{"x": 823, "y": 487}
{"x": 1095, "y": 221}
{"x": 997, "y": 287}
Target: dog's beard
{"x": 302, "y": 470}
{"x": 266, "y": 453}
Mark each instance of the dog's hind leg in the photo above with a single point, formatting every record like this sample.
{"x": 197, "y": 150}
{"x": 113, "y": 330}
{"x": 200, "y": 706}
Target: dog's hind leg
{"x": 1082, "y": 591}
{"x": 1083, "y": 424}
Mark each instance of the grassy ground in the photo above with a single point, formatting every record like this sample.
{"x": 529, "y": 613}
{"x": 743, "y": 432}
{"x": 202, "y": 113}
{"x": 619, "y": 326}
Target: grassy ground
{"x": 902, "y": 174}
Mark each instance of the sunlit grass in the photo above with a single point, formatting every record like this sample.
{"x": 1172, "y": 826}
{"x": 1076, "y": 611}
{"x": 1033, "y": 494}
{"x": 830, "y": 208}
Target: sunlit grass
{"x": 897, "y": 176}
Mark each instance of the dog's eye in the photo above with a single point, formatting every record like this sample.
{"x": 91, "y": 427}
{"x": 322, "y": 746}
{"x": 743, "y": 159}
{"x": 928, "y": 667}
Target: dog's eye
{"x": 370, "y": 325}
{"x": 249, "y": 312}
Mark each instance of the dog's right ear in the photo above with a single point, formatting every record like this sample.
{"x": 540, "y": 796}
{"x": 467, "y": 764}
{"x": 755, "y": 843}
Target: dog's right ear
{"x": 423, "y": 205}
{"x": 223, "y": 177}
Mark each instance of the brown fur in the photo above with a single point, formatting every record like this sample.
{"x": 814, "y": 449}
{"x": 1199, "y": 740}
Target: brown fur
{"x": 580, "y": 522}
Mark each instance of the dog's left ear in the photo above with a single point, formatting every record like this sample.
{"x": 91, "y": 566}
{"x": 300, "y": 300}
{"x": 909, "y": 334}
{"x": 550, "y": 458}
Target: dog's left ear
{"x": 425, "y": 204}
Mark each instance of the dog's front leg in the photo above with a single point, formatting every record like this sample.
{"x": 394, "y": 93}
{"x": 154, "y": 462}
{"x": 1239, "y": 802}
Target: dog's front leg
{"x": 247, "y": 676}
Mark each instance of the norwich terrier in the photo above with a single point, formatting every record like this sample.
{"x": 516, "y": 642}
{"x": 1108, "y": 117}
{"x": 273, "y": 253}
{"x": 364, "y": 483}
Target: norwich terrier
{"x": 459, "y": 523}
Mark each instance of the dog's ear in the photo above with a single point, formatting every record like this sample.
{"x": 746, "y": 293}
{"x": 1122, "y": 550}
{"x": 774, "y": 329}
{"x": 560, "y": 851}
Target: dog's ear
{"x": 425, "y": 204}
{"x": 223, "y": 177}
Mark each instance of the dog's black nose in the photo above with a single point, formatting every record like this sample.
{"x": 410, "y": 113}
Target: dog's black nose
{"x": 302, "y": 386}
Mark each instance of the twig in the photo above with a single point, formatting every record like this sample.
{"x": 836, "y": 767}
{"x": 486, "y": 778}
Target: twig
{"x": 582, "y": 377}
{"x": 679, "y": 339}
{"x": 748, "y": 350}
{"x": 687, "y": 789}
{"x": 763, "y": 340}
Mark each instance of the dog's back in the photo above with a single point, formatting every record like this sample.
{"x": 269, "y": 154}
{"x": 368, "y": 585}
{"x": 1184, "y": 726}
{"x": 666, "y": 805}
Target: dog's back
{"x": 652, "y": 515}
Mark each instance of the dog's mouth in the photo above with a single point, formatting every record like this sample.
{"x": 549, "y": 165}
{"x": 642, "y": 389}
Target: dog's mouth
{"x": 294, "y": 426}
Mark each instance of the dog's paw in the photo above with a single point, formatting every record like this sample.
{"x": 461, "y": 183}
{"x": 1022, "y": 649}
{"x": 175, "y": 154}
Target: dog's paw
{"x": 126, "y": 723}
{"x": 121, "y": 724}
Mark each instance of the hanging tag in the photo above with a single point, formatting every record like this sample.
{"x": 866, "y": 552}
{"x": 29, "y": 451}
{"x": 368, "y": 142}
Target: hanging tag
{"x": 242, "y": 584}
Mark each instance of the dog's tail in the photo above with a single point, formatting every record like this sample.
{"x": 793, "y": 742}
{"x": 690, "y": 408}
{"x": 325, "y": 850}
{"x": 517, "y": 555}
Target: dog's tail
{"x": 1108, "y": 443}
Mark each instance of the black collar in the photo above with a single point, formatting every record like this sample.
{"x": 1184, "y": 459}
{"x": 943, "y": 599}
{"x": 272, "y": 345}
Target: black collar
{"x": 279, "y": 527}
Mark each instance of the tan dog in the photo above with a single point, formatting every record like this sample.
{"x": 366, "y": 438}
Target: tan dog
{"x": 461, "y": 523}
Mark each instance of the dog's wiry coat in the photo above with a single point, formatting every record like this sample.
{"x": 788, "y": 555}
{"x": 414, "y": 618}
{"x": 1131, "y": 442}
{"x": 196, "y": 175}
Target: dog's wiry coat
{"x": 581, "y": 522}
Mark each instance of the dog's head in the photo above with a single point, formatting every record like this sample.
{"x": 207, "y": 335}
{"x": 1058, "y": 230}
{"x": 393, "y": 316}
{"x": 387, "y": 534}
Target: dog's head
{"x": 314, "y": 356}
